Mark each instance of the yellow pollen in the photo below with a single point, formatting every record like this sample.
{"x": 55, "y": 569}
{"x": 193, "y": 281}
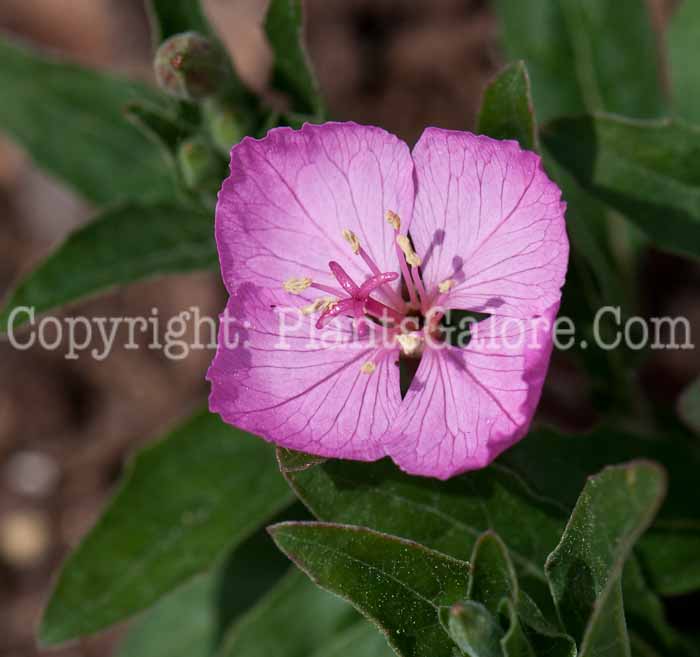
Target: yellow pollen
{"x": 410, "y": 343}
{"x": 446, "y": 286}
{"x": 393, "y": 219}
{"x": 352, "y": 240}
{"x": 411, "y": 256}
{"x": 368, "y": 368}
{"x": 297, "y": 285}
{"x": 319, "y": 305}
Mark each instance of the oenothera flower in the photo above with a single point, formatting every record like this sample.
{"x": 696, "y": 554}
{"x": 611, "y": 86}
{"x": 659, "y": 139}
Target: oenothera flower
{"x": 344, "y": 224}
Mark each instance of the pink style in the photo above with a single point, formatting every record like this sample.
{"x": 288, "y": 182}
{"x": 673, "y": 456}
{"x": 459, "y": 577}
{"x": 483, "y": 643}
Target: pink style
{"x": 345, "y": 224}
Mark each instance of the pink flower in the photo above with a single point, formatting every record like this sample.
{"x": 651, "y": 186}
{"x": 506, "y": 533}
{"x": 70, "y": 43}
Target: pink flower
{"x": 317, "y": 221}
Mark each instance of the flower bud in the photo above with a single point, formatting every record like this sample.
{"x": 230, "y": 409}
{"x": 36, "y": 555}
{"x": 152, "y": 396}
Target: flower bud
{"x": 199, "y": 165}
{"x": 189, "y": 66}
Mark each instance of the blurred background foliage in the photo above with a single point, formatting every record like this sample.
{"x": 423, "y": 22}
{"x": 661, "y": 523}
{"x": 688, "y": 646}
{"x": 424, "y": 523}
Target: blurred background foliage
{"x": 67, "y": 167}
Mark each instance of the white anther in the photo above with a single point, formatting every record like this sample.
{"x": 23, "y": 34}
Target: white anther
{"x": 319, "y": 305}
{"x": 411, "y": 344}
{"x": 297, "y": 285}
{"x": 411, "y": 256}
{"x": 446, "y": 286}
{"x": 368, "y": 368}
{"x": 352, "y": 240}
{"x": 393, "y": 219}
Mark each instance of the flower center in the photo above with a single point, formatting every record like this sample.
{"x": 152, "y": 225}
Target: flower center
{"x": 408, "y": 320}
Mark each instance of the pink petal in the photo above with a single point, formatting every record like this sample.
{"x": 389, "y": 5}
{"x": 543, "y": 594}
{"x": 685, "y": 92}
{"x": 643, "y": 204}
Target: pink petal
{"x": 306, "y": 395}
{"x": 466, "y": 406}
{"x": 488, "y": 217}
{"x": 282, "y": 211}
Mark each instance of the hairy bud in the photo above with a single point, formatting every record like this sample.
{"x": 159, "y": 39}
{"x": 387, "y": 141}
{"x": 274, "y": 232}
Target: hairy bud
{"x": 189, "y": 66}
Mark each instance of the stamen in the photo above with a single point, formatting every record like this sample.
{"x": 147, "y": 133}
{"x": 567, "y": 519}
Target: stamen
{"x": 411, "y": 256}
{"x": 411, "y": 344}
{"x": 319, "y": 305}
{"x": 393, "y": 219}
{"x": 420, "y": 288}
{"x": 446, "y": 286}
{"x": 297, "y": 285}
{"x": 352, "y": 240}
{"x": 368, "y": 368}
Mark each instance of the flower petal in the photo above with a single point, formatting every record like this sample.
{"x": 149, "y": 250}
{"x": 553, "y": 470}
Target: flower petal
{"x": 488, "y": 217}
{"x": 466, "y": 406}
{"x": 276, "y": 376}
{"x": 282, "y": 212}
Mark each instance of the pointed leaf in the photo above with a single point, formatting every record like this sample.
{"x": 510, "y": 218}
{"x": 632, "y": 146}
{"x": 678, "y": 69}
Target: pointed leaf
{"x": 399, "y": 585}
{"x": 514, "y": 643}
{"x": 70, "y": 121}
{"x": 525, "y": 497}
{"x": 595, "y": 55}
{"x": 506, "y": 109}
{"x": 185, "y": 501}
{"x": 182, "y": 624}
{"x": 494, "y": 584}
{"x": 445, "y": 516}
{"x": 360, "y": 640}
{"x": 585, "y": 570}
{"x": 123, "y": 245}
{"x": 682, "y": 39}
{"x": 292, "y": 72}
{"x": 492, "y": 574}
{"x": 647, "y": 170}
{"x": 473, "y": 628}
{"x": 292, "y": 620}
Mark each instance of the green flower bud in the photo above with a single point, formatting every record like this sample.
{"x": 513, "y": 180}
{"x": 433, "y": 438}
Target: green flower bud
{"x": 226, "y": 126}
{"x": 199, "y": 165}
{"x": 189, "y": 66}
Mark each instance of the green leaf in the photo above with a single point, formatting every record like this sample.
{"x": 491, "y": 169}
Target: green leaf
{"x": 647, "y": 170}
{"x": 181, "y": 625}
{"x": 167, "y": 130}
{"x": 669, "y": 554}
{"x": 359, "y": 640}
{"x": 75, "y": 129}
{"x": 514, "y": 643}
{"x": 292, "y": 620}
{"x": 556, "y": 467}
{"x": 473, "y": 628}
{"x": 646, "y": 617}
{"x": 399, "y": 585}
{"x": 585, "y": 570}
{"x": 506, "y": 109}
{"x": 682, "y": 40}
{"x": 525, "y": 497}
{"x": 492, "y": 574}
{"x": 185, "y": 501}
{"x": 445, "y": 516}
{"x": 494, "y": 584}
{"x": 170, "y": 17}
{"x": 689, "y": 406}
{"x": 292, "y": 72}
{"x": 585, "y": 54}
{"x": 125, "y": 244}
